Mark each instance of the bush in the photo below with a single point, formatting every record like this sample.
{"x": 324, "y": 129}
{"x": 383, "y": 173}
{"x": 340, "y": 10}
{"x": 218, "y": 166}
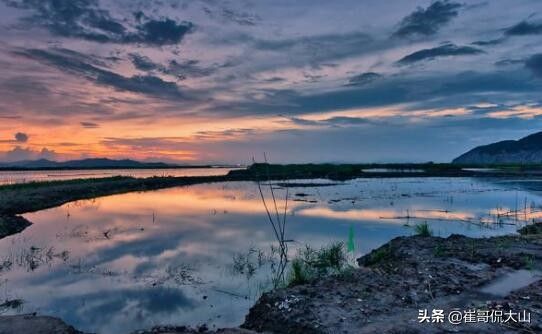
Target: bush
{"x": 423, "y": 230}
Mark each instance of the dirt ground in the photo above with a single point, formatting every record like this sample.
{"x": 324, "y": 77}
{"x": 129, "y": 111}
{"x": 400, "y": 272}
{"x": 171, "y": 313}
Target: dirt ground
{"x": 410, "y": 274}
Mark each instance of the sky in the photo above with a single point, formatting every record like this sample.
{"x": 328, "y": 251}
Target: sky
{"x": 209, "y": 81}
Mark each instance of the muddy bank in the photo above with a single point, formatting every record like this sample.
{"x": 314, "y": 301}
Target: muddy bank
{"x": 12, "y": 224}
{"x": 409, "y": 274}
{"x": 30, "y": 323}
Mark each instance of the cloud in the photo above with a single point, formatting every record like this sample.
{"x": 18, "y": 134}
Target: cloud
{"x": 21, "y": 137}
{"x": 230, "y": 15}
{"x": 524, "y": 28}
{"x": 188, "y": 68}
{"x": 490, "y": 42}
{"x": 146, "y": 84}
{"x": 19, "y": 153}
{"x": 89, "y": 125}
{"x": 179, "y": 70}
{"x": 409, "y": 92}
{"x": 363, "y": 79}
{"x": 316, "y": 50}
{"x": 160, "y": 32}
{"x": 509, "y": 62}
{"x": 445, "y": 50}
{"x": 426, "y": 22}
{"x": 86, "y": 20}
{"x": 143, "y": 63}
{"x": 534, "y": 63}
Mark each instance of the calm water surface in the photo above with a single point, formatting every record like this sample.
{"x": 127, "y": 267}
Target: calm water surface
{"x": 11, "y": 177}
{"x": 131, "y": 261}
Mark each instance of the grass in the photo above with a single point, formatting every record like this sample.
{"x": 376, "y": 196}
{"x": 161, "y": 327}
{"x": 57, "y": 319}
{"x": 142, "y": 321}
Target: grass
{"x": 529, "y": 262}
{"x": 439, "y": 251}
{"x": 311, "y": 264}
{"x": 423, "y": 230}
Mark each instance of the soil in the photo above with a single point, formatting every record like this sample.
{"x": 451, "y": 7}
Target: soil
{"x": 29, "y": 323}
{"x": 409, "y": 274}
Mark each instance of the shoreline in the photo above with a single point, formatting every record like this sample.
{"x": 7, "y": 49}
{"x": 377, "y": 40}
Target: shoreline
{"x": 389, "y": 288}
{"x": 21, "y": 198}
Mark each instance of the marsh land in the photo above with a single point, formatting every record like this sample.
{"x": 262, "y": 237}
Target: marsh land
{"x": 122, "y": 254}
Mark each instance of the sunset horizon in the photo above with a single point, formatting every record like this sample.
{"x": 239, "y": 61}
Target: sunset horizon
{"x": 211, "y": 82}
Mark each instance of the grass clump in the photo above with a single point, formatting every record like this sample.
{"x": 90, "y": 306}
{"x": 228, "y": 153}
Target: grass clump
{"x": 439, "y": 251}
{"x": 310, "y": 264}
{"x": 423, "y": 230}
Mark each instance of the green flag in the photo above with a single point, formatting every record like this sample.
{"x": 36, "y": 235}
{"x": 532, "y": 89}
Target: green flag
{"x": 350, "y": 246}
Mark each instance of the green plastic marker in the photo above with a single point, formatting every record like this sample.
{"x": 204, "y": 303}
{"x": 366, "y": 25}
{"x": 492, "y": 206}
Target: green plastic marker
{"x": 350, "y": 245}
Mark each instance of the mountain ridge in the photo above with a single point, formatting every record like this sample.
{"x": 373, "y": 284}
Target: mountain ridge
{"x": 83, "y": 164}
{"x": 527, "y": 150}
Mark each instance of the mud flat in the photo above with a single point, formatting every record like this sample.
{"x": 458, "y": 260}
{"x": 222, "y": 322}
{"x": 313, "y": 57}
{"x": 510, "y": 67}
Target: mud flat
{"x": 409, "y": 274}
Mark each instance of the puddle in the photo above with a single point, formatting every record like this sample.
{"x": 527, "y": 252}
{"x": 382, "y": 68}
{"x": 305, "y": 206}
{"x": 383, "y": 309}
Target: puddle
{"x": 518, "y": 279}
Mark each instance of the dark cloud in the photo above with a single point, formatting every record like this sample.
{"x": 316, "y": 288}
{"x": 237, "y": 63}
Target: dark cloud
{"x": 86, "y": 20}
{"x": 363, "y": 79}
{"x": 179, "y": 70}
{"x": 143, "y": 63}
{"x": 445, "y": 50}
{"x": 509, "y": 62}
{"x": 188, "y": 68}
{"x": 160, "y": 32}
{"x": 490, "y": 42}
{"x": 21, "y": 137}
{"x": 524, "y": 28}
{"x": 90, "y": 125}
{"x": 534, "y": 63}
{"x": 428, "y": 21}
{"x": 274, "y": 79}
{"x": 145, "y": 84}
{"x": 453, "y": 90}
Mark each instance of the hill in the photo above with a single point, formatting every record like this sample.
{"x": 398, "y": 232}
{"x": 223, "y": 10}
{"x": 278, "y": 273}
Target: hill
{"x": 82, "y": 164}
{"x": 527, "y": 150}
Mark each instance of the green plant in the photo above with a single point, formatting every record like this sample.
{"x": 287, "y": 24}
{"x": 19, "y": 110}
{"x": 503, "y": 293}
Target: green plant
{"x": 310, "y": 263}
{"x": 529, "y": 262}
{"x": 423, "y": 230}
{"x": 298, "y": 273}
{"x": 439, "y": 251}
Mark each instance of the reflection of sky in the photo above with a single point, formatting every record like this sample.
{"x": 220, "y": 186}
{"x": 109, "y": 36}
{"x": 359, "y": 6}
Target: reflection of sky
{"x": 127, "y": 252}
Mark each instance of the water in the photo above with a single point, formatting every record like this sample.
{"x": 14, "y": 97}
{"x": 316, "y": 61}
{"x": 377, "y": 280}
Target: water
{"x": 11, "y": 177}
{"x": 131, "y": 261}
{"x": 512, "y": 281}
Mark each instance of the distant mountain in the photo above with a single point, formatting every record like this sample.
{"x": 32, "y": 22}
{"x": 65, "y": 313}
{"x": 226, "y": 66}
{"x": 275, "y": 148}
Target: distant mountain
{"x": 527, "y": 150}
{"x": 83, "y": 164}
